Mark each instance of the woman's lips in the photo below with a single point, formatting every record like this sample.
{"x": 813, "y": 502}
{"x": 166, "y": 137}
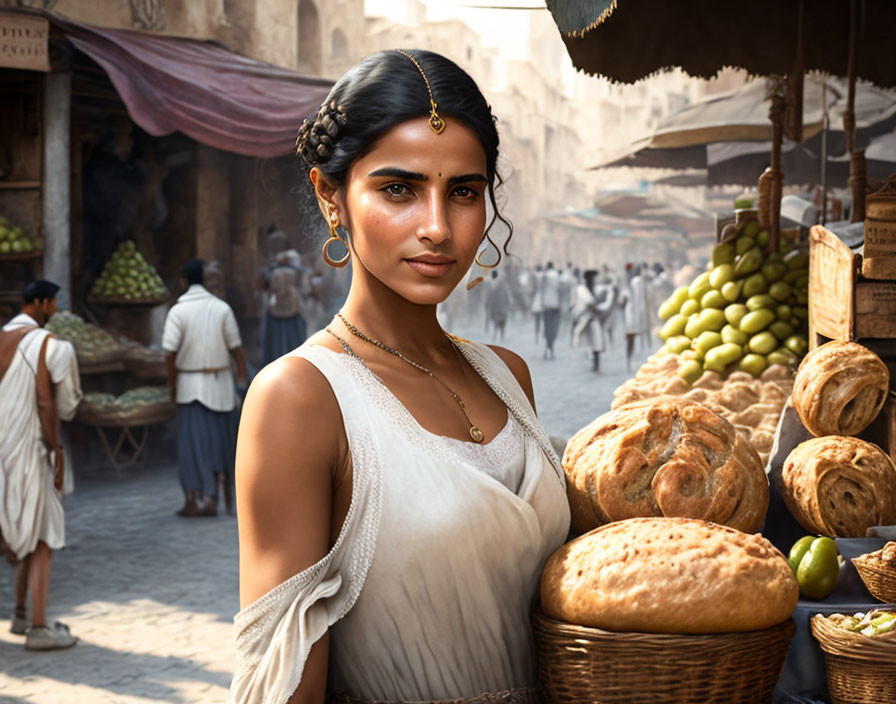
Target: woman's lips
{"x": 431, "y": 267}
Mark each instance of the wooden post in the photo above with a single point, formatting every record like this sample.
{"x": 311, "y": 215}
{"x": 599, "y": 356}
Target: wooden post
{"x": 858, "y": 170}
{"x": 777, "y": 91}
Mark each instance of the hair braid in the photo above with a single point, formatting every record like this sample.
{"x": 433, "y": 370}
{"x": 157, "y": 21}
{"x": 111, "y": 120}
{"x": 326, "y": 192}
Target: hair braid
{"x": 317, "y": 137}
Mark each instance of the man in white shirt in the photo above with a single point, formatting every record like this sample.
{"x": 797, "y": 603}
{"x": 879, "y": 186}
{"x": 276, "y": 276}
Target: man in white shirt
{"x": 200, "y": 337}
{"x": 39, "y": 385}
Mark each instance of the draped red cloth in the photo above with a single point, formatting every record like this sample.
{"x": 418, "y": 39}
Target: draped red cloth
{"x": 202, "y": 89}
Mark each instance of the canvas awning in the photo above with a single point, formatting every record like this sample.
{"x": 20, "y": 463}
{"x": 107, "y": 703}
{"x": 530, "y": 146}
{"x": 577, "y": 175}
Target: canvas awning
{"x": 200, "y": 88}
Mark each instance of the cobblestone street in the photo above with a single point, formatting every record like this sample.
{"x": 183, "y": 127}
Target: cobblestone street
{"x": 151, "y": 596}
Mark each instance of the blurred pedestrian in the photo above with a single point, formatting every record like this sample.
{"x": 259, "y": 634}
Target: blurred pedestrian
{"x": 551, "y": 301}
{"x": 537, "y": 305}
{"x": 659, "y": 289}
{"x": 39, "y": 385}
{"x": 285, "y": 328}
{"x": 588, "y": 302}
{"x": 497, "y": 303}
{"x": 201, "y": 337}
{"x": 636, "y": 324}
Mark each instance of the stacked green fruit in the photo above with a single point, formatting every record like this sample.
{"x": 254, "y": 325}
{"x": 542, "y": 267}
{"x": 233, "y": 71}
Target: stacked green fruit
{"x": 815, "y": 564}
{"x": 872, "y": 624}
{"x": 749, "y": 311}
{"x": 14, "y": 241}
{"x": 89, "y": 340}
{"x": 128, "y": 276}
{"x": 143, "y": 396}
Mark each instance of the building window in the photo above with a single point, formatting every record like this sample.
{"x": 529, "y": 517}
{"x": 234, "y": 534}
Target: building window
{"x": 309, "y": 38}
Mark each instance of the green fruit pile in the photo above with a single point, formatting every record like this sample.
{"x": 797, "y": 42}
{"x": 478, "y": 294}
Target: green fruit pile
{"x": 749, "y": 311}
{"x": 872, "y": 624}
{"x": 128, "y": 276}
{"x": 92, "y": 344}
{"x": 14, "y": 241}
{"x": 129, "y": 403}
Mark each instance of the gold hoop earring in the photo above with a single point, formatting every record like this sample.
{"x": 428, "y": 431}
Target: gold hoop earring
{"x": 335, "y": 237}
{"x": 479, "y": 255}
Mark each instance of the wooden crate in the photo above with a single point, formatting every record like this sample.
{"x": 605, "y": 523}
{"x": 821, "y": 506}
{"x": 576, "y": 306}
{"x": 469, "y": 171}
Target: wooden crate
{"x": 879, "y": 255}
{"x": 843, "y": 305}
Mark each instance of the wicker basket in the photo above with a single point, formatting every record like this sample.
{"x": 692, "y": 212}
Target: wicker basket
{"x": 578, "y": 664}
{"x": 861, "y": 670}
{"x": 881, "y": 581}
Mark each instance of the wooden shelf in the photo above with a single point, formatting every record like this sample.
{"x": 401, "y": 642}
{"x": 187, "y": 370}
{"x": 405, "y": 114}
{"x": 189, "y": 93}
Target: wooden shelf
{"x": 22, "y": 256}
{"x": 19, "y": 185}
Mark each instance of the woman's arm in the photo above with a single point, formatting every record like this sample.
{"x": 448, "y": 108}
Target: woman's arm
{"x": 289, "y": 445}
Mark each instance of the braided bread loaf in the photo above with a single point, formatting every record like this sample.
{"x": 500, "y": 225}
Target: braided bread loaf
{"x": 317, "y": 137}
{"x": 664, "y": 457}
{"x": 840, "y": 388}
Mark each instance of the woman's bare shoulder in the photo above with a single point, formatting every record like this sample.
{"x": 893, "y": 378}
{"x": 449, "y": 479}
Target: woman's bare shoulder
{"x": 518, "y": 367}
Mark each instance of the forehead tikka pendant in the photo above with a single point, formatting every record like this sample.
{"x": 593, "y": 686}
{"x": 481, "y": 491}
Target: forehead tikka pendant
{"x": 436, "y": 123}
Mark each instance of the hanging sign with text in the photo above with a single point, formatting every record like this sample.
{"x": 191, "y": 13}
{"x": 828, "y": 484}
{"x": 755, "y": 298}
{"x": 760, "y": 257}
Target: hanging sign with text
{"x": 24, "y": 41}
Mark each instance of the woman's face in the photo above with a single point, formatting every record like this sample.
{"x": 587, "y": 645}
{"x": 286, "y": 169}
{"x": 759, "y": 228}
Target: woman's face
{"x": 415, "y": 208}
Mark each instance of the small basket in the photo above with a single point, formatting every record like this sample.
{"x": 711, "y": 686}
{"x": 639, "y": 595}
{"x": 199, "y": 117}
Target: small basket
{"x": 881, "y": 581}
{"x": 861, "y": 670}
{"x": 582, "y": 664}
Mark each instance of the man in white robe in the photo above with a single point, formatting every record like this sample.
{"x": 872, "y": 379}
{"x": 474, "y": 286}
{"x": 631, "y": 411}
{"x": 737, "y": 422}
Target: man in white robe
{"x": 39, "y": 385}
{"x": 201, "y": 336}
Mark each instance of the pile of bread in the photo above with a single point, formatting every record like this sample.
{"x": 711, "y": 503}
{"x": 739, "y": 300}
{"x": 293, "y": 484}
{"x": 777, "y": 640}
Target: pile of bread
{"x": 752, "y": 405}
{"x": 669, "y": 491}
{"x": 836, "y": 484}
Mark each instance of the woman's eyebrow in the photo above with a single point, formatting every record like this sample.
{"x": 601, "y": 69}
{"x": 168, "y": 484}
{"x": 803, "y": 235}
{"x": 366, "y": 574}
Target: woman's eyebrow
{"x": 468, "y": 178}
{"x": 395, "y": 172}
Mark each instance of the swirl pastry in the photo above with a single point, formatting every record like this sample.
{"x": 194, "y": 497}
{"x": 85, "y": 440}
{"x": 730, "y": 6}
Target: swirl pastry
{"x": 840, "y": 486}
{"x": 669, "y": 575}
{"x": 664, "y": 457}
{"x": 840, "y": 388}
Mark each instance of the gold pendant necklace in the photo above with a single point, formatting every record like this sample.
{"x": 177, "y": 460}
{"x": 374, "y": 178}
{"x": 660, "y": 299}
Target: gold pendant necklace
{"x": 475, "y": 433}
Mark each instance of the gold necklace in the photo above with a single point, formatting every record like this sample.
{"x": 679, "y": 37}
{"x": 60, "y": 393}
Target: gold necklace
{"x": 475, "y": 433}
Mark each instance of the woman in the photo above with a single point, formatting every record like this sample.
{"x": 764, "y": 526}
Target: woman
{"x": 589, "y": 303}
{"x": 397, "y": 497}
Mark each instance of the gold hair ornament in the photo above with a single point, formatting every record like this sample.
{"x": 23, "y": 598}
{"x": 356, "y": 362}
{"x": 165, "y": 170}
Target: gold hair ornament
{"x": 335, "y": 237}
{"x": 436, "y": 123}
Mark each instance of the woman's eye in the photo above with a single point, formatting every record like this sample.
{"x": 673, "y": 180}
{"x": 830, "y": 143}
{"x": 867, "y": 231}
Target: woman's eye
{"x": 396, "y": 189}
{"x": 466, "y": 192}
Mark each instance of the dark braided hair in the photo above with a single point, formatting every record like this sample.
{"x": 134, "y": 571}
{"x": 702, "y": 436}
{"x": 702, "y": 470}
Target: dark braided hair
{"x": 385, "y": 90}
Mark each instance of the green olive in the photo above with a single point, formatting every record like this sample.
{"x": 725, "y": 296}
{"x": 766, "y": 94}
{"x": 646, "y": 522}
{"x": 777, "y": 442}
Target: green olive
{"x": 721, "y": 275}
{"x": 801, "y": 312}
{"x": 731, "y": 290}
{"x": 773, "y": 271}
{"x": 751, "y": 228}
{"x": 699, "y": 286}
{"x": 763, "y": 343}
{"x": 756, "y": 321}
{"x": 668, "y": 309}
{"x": 792, "y": 276}
{"x": 780, "y": 329}
{"x": 712, "y": 319}
{"x": 782, "y": 355}
{"x": 694, "y": 326}
{"x": 673, "y": 327}
{"x": 784, "y": 312}
{"x": 755, "y": 284}
{"x": 678, "y": 344}
{"x": 722, "y": 254}
{"x": 713, "y": 299}
{"x": 720, "y": 357}
{"x": 760, "y": 300}
{"x": 690, "y": 370}
{"x": 707, "y": 340}
{"x": 748, "y": 262}
{"x": 801, "y": 282}
{"x": 763, "y": 237}
{"x": 796, "y": 259}
{"x": 735, "y": 313}
{"x": 797, "y": 344}
{"x": 744, "y": 243}
{"x": 753, "y": 364}
{"x": 733, "y": 335}
{"x": 689, "y": 307}
{"x": 780, "y": 291}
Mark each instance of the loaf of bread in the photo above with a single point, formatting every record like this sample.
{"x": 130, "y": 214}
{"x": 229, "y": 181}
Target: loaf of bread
{"x": 669, "y": 575}
{"x": 840, "y": 388}
{"x": 840, "y": 486}
{"x": 664, "y": 457}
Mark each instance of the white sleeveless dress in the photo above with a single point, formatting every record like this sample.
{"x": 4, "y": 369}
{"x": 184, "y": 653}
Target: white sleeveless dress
{"x": 427, "y": 591}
